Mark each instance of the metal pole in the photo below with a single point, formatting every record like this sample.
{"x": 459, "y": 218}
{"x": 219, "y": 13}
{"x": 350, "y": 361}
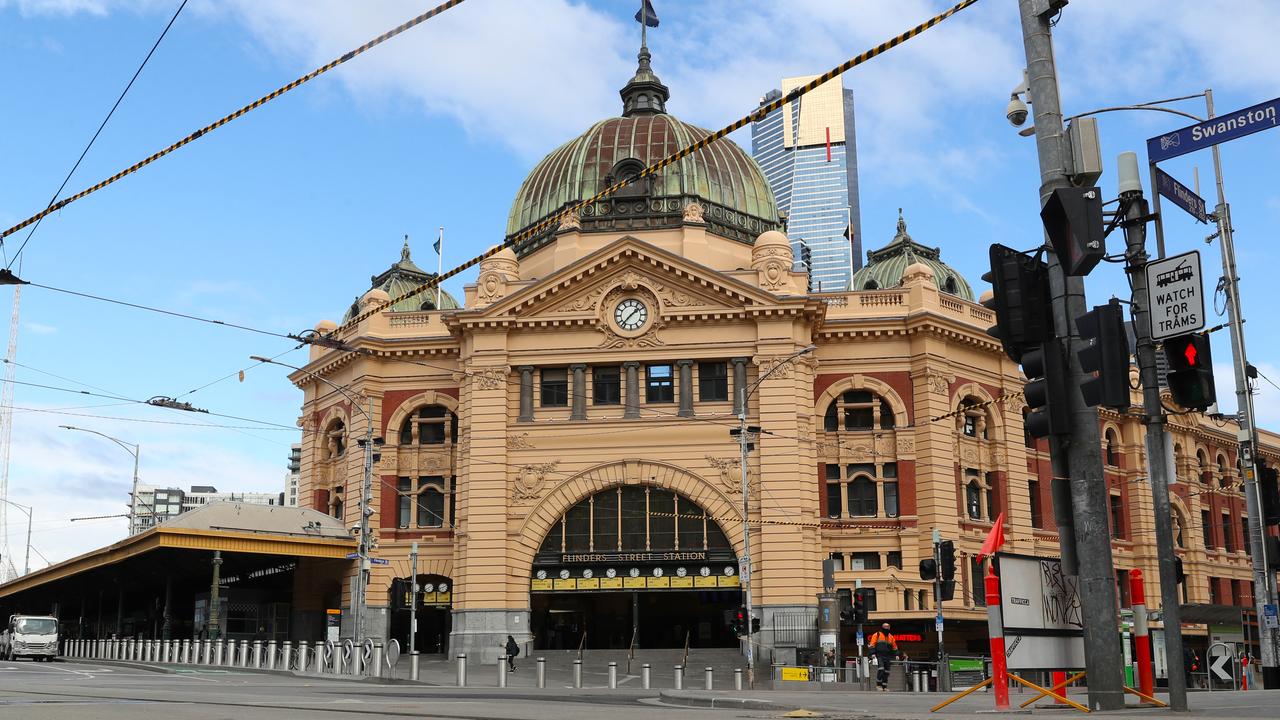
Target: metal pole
{"x": 746, "y": 572}
{"x": 542, "y": 673}
{"x": 214, "y": 621}
{"x": 1083, "y": 443}
{"x": 133, "y": 499}
{"x": 413, "y": 611}
{"x": 937, "y": 601}
{"x": 26, "y": 564}
{"x": 366, "y": 500}
{"x": 1135, "y": 233}
{"x": 1263, "y": 579}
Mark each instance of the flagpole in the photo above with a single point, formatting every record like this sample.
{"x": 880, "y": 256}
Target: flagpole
{"x": 644, "y": 23}
{"x": 439, "y": 264}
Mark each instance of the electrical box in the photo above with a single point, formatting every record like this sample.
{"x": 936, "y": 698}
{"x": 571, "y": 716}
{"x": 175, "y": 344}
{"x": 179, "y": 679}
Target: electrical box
{"x": 1086, "y": 151}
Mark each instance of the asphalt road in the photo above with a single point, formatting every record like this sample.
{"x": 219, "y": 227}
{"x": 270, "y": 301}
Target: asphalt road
{"x": 73, "y": 690}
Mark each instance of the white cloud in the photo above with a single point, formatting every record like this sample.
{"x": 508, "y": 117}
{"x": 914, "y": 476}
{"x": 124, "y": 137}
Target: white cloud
{"x": 39, "y": 328}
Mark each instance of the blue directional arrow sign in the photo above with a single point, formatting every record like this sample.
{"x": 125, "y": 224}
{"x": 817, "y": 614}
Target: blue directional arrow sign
{"x": 1181, "y": 195}
{"x": 1227, "y": 126}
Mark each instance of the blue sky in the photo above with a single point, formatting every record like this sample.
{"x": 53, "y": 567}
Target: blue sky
{"x": 279, "y": 219}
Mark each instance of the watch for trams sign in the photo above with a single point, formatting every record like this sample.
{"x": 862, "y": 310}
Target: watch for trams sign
{"x": 1175, "y": 295}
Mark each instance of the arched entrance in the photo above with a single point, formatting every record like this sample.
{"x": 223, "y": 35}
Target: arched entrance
{"x": 634, "y": 561}
{"x": 435, "y": 601}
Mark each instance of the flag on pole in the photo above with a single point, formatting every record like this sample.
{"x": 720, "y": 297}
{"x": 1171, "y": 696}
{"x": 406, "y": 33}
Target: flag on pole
{"x": 436, "y": 245}
{"x": 646, "y": 15}
{"x": 994, "y": 540}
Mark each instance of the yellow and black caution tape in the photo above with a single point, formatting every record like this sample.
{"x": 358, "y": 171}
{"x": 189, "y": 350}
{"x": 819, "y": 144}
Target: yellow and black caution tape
{"x": 965, "y": 407}
{"x": 758, "y": 114}
{"x": 223, "y": 121}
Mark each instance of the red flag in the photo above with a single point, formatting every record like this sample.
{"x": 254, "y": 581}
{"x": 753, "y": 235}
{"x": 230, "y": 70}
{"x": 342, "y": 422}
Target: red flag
{"x": 994, "y": 540}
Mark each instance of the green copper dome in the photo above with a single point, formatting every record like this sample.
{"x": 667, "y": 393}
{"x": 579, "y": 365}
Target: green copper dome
{"x": 399, "y": 279}
{"x": 722, "y": 177}
{"x": 886, "y": 266}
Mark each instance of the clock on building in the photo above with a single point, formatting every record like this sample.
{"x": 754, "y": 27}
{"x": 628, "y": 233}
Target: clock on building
{"x": 657, "y": 572}
{"x": 564, "y": 574}
{"x": 587, "y": 573}
{"x": 681, "y": 572}
{"x": 444, "y": 587}
{"x": 704, "y": 571}
{"x": 541, "y": 574}
{"x": 634, "y": 572}
{"x": 610, "y": 573}
{"x": 631, "y": 314}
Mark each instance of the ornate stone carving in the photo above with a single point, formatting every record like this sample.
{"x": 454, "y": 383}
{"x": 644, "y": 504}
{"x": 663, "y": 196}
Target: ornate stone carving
{"x": 571, "y": 221}
{"x": 530, "y": 479}
{"x": 730, "y": 470}
{"x": 693, "y": 212}
{"x": 671, "y": 297}
{"x": 519, "y": 442}
{"x": 627, "y": 285}
{"x": 490, "y": 378}
{"x": 583, "y": 302}
{"x": 491, "y": 287}
{"x": 784, "y": 366}
{"x": 938, "y": 384}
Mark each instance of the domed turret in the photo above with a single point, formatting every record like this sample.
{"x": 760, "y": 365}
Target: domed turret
{"x": 397, "y": 280}
{"x": 888, "y": 266}
{"x": 735, "y": 198}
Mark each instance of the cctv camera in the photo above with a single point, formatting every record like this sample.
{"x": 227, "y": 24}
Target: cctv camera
{"x": 1016, "y": 112}
{"x": 355, "y": 529}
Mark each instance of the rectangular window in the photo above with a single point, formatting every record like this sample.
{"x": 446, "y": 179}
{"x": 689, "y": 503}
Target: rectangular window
{"x": 977, "y": 583}
{"x": 895, "y": 559}
{"x": 1122, "y": 588}
{"x": 970, "y": 426}
{"x": 891, "y": 499}
{"x": 1033, "y": 491}
{"x": 837, "y": 561}
{"x": 1215, "y": 598}
{"x": 404, "y": 490}
{"x": 713, "y": 381}
{"x": 1207, "y": 525}
{"x": 606, "y": 385}
{"x": 1237, "y": 593}
{"x": 864, "y": 561}
{"x": 907, "y": 597}
{"x": 1117, "y": 517}
{"x": 658, "y": 387}
{"x": 555, "y": 387}
{"x": 1228, "y": 537}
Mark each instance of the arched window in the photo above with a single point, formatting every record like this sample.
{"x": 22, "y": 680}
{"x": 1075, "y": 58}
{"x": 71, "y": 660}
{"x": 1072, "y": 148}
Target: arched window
{"x": 862, "y": 497}
{"x": 858, "y": 410}
{"x": 430, "y": 507}
{"x": 949, "y": 286}
{"x": 973, "y": 499}
{"x": 973, "y": 420}
{"x": 429, "y": 425}
{"x": 1112, "y": 448}
{"x": 335, "y": 440}
{"x": 1223, "y": 480}
{"x": 634, "y": 518}
{"x": 1179, "y": 529}
{"x": 1202, "y": 462}
{"x": 335, "y": 502}
{"x": 862, "y": 490}
{"x": 871, "y": 285}
{"x": 424, "y": 502}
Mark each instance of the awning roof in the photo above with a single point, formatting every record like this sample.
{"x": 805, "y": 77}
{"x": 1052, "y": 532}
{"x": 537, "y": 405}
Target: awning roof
{"x": 226, "y": 526}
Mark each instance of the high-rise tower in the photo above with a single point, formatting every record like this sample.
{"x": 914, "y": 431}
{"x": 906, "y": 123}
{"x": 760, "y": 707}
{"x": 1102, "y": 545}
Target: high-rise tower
{"x": 808, "y": 153}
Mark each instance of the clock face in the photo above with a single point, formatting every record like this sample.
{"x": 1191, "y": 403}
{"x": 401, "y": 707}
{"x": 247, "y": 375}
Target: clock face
{"x": 634, "y": 572}
{"x": 631, "y": 314}
{"x": 564, "y": 574}
{"x": 587, "y": 573}
{"x": 541, "y": 574}
{"x": 728, "y": 570}
{"x": 657, "y": 572}
{"x": 429, "y": 587}
{"x": 610, "y": 573}
{"x": 705, "y": 571}
{"x": 681, "y": 572}
{"x": 444, "y": 587}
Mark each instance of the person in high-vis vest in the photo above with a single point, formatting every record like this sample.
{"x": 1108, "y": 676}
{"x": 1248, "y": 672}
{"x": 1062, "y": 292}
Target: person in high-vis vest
{"x": 884, "y": 646}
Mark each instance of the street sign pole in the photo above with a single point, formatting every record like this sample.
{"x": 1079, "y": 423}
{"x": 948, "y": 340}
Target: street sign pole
{"x": 1135, "y": 235}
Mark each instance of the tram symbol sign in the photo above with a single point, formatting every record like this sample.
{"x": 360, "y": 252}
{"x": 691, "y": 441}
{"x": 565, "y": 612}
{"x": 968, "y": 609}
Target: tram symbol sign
{"x": 1175, "y": 295}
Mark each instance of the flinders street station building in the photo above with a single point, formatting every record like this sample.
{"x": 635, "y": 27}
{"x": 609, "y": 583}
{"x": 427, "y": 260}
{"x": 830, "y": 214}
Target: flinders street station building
{"x": 557, "y": 442}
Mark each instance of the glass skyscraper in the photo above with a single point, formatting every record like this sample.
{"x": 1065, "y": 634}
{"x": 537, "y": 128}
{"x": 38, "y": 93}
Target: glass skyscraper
{"x": 808, "y": 153}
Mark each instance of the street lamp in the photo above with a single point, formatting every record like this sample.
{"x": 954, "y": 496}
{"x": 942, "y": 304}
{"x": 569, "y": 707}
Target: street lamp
{"x": 368, "y": 443}
{"x": 135, "y": 450}
{"x": 744, "y": 432}
{"x": 26, "y": 565}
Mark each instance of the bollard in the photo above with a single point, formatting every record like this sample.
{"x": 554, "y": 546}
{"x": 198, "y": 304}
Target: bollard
{"x": 375, "y": 659}
{"x": 339, "y": 660}
{"x": 577, "y": 673}
{"x": 257, "y": 655}
{"x": 319, "y": 655}
{"x": 1141, "y": 639}
{"x": 645, "y": 677}
{"x": 219, "y": 646}
{"x": 186, "y": 651}
{"x": 995, "y": 630}
{"x": 174, "y": 646}
{"x": 462, "y": 670}
{"x": 706, "y": 679}
{"x": 413, "y": 666}
{"x": 679, "y": 677}
{"x": 502, "y": 671}
{"x": 357, "y": 660}
{"x": 613, "y": 676}
{"x": 542, "y": 671}
{"x": 271, "y": 656}
{"x": 737, "y": 678}
{"x": 302, "y": 655}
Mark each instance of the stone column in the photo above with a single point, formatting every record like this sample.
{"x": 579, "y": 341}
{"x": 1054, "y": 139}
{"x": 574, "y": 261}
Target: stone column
{"x": 633, "y": 389}
{"x": 526, "y": 394}
{"x": 739, "y": 382}
{"x": 686, "y": 387}
{"x": 579, "y": 390}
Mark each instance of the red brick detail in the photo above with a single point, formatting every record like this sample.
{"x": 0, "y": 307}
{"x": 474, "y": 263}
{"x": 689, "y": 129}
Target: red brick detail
{"x": 822, "y": 490}
{"x": 906, "y": 487}
{"x": 320, "y": 501}
{"x": 387, "y": 502}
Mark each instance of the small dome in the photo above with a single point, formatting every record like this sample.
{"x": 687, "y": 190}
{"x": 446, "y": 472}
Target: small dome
{"x": 986, "y": 295}
{"x": 325, "y": 326}
{"x": 887, "y": 266}
{"x": 772, "y": 237}
{"x": 399, "y": 279}
{"x": 376, "y": 296}
{"x": 918, "y": 268}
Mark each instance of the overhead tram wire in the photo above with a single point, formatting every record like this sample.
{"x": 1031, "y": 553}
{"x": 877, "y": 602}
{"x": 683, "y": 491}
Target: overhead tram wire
{"x": 238, "y": 113}
{"x": 116, "y": 418}
{"x": 92, "y": 140}
{"x": 758, "y": 114}
{"x": 267, "y": 423}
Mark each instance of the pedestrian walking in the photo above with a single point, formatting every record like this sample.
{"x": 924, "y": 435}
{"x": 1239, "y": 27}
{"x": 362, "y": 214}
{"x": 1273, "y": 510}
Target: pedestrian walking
{"x": 513, "y": 649}
{"x": 884, "y": 646}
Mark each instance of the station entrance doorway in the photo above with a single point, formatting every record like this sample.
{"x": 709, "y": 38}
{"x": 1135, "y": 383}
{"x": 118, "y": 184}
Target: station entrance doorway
{"x": 434, "y": 613}
{"x": 634, "y": 563}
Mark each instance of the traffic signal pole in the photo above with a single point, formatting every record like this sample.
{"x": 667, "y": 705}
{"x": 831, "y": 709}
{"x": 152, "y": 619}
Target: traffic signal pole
{"x": 1135, "y": 235}
{"x": 1263, "y": 578}
{"x": 1096, "y": 577}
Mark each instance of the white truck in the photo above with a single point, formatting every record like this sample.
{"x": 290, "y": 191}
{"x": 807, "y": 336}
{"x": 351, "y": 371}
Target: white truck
{"x": 33, "y": 636}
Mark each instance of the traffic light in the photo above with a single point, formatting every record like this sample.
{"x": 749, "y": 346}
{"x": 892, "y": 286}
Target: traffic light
{"x": 1106, "y": 356}
{"x": 1045, "y": 368}
{"x": 1191, "y": 371}
{"x": 948, "y": 588}
{"x": 1072, "y": 218}
{"x": 1273, "y": 552}
{"x": 1020, "y": 300}
{"x": 755, "y": 625}
{"x": 928, "y": 569}
{"x": 947, "y": 554}
{"x": 1269, "y": 489}
{"x": 859, "y": 607}
{"x": 737, "y": 623}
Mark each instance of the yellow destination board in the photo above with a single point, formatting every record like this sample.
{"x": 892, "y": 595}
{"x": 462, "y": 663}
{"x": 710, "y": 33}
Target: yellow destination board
{"x": 589, "y": 584}
{"x": 659, "y": 582}
{"x": 708, "y": 582}
{"x": 611, "y": 583}
{"x": 541, "y": 584}
{"x": 634, "y": 582}
{"x": 729, "y": 581}
{"x": 682, "y": 582}
{"x": 565, "y": 584}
